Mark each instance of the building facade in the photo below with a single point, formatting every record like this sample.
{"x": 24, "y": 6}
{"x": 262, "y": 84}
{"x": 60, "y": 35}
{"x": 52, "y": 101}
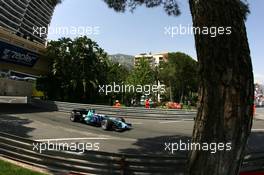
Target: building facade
{"x": 23, "y": 17}
{"x": 153, "y": 59}
{"x": 21, "y": 45}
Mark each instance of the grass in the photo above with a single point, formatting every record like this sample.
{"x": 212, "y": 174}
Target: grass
{"x": 7, "y": 168}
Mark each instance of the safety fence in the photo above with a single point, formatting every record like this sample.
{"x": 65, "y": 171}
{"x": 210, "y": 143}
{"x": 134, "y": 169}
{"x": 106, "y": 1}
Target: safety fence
{"x": 131, "y": 112}
{"x": 95, "y": 162}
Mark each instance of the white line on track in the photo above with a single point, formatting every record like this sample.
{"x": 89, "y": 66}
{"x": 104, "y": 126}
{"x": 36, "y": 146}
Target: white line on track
{"x": 85, "y": 138}
{"x": 67, "y": 139}
{"x": 257, "y": 130}
{"x": 137, "y": 123}
{"x": 174, "y": 121}
{"x": 187, "y": 119}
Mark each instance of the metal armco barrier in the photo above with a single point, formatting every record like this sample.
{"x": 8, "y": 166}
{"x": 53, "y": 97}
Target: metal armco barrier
{"x": 92, "y": 162}
{"x": 129, "y": 112}
{"x": 95, "y": 162}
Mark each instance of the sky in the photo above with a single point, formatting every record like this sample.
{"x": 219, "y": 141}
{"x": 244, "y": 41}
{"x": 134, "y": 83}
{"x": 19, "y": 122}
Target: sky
{"x": 145, "y": 30}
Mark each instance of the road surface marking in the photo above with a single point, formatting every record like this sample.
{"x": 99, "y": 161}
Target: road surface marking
{"x": 176, "y": 121}
{"x": 188, "y": 120}
{"x": 257, "y": 129}
{"x": 85, "y": 138}
{"x": 68, "y": 139}
{"x": 137, "y": 123}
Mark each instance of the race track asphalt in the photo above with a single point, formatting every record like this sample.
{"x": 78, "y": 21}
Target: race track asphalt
{"x": 147, "y": 136}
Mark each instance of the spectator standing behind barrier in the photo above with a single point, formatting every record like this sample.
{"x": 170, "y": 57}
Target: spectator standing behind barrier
{"x": 147, "y": 104}
{"x": 189, "y": 104}
{"x": 117, "y": 104}
{"x": 133, "y": 102}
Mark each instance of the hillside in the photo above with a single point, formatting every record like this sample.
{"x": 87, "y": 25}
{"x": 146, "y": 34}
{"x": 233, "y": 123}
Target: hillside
{"x": 125, "y": 60}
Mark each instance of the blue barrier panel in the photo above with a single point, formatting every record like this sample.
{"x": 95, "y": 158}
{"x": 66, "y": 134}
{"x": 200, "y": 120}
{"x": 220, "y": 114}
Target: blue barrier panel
{"x": 17, "y": 55}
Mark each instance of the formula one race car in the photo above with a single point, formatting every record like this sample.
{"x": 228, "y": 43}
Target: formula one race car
{"x": 106, "y": 122}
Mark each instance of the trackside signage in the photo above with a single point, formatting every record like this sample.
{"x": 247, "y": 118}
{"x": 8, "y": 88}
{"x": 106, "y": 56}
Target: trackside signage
{"x": 17, "y": 55}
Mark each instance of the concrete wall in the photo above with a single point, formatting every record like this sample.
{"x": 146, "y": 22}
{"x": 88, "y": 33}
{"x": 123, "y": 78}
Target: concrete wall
{"x": 14, "y": 100}
{"x": 15, "y": 88}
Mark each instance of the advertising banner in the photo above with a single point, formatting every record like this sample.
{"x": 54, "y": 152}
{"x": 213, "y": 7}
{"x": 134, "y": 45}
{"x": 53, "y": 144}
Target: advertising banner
{"x": 17, "y": 55}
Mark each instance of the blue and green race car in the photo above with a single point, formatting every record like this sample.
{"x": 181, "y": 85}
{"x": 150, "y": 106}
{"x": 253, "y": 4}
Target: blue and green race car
{"x": 105, "y": 122}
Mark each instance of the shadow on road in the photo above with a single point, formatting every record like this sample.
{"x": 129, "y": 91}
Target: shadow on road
{"x": 18, "y": 127}
{"x": 21, "y": 109}
{"x": 14, "y": 125}
{"x": 157, "y": 146}
{"x": 256, "y": 142}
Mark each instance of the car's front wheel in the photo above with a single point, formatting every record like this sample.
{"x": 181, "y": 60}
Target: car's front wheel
{"x": 73, "y": 118}
{"x": 106, "y": 124}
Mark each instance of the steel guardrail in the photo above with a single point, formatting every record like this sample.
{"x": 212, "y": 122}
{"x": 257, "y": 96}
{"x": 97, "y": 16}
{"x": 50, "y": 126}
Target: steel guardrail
{"x": 127, "y": 112}
{"x": 96, "y": 162}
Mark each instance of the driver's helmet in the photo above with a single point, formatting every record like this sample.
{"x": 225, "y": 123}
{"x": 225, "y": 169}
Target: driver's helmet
{"x": 90, "y": 112}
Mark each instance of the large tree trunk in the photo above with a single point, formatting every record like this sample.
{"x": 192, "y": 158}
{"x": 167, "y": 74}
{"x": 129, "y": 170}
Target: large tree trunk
{"x": 226, "y": 88}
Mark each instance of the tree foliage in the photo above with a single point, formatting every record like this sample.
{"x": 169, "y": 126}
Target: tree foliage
{"x": 78, "y": 67}
{"x": 170, "y": 6}
{"x": 142, "y": 74}
{"x": 180, "y": 74}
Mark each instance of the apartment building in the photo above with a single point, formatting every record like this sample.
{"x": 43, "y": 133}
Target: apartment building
{"x": 21, "y": 47}
{"x": 23, "y": 16}
{"x": 153, "y": 59}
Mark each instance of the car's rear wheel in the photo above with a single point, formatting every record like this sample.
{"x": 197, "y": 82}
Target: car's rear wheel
{"x": 106, "y": 124}
{"x": 73, "y": 117}
{"x": 117, "y": 129}
{"x": 121, "y": 119}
